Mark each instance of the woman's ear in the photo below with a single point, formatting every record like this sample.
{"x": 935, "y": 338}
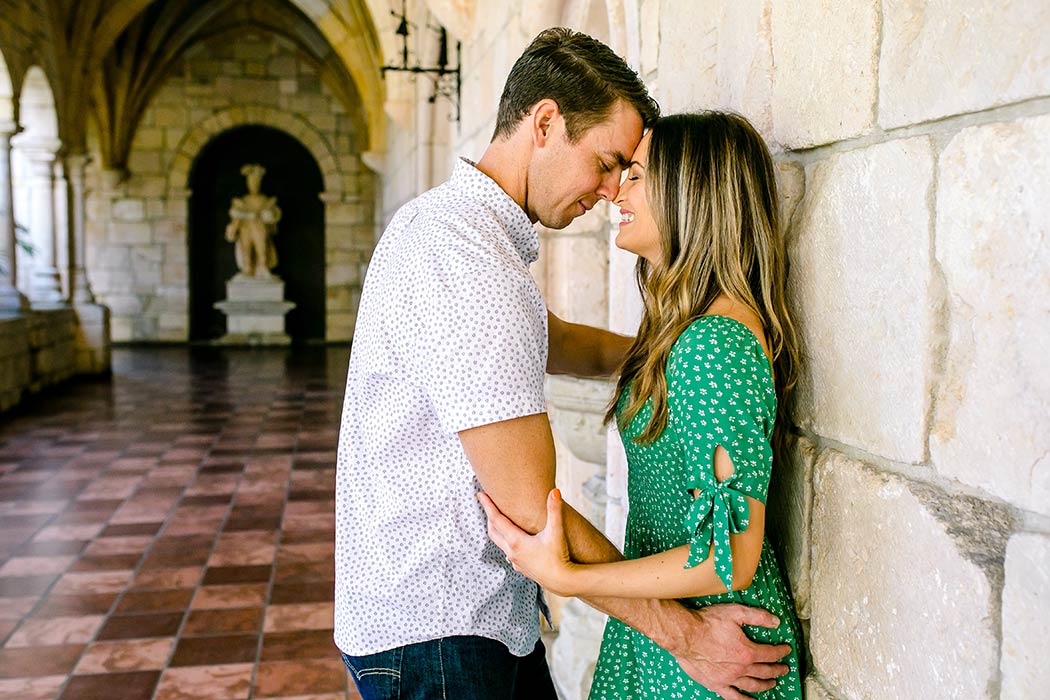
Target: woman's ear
{"x": 542, "y": 118}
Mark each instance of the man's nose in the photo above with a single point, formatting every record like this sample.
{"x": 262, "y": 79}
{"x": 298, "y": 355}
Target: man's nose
{"x": 609, "y": 187}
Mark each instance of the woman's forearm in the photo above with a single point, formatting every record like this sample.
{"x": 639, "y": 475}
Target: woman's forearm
{"x": 658, "y": 576}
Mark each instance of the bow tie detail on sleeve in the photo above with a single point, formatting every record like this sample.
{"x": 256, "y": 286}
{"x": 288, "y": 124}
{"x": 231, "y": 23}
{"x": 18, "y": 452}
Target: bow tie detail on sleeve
{"x": 718, "y": 511}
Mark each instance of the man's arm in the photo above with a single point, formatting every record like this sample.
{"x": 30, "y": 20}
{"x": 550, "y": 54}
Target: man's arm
{"x": 583, "y": 351}
{"x": 514, "y": 461}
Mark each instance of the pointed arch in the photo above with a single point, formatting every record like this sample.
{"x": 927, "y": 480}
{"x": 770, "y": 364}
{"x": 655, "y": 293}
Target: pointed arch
{"x": 37, "y": 113}
{"x": 205, "y": 131}
{"x": 7, "y": 94}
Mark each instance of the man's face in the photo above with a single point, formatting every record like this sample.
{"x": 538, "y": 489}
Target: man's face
{"x": 567, "y": 179}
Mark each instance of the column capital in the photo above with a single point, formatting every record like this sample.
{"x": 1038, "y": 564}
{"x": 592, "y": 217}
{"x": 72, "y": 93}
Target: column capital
{"x": 39, "y": 150}
{"x": 76, "y": 163}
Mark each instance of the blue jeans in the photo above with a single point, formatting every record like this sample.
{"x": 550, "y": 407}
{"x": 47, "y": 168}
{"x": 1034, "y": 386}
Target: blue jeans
{"x": 452, "y": 668}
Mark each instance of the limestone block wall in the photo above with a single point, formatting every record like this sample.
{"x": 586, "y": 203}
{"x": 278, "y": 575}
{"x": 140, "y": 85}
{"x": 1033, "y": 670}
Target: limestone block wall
{"x": 15, "y": 376}
{"x": 38, "y": 349}
{"x": 136, "y": 227}
{"x": 912, "y": 140}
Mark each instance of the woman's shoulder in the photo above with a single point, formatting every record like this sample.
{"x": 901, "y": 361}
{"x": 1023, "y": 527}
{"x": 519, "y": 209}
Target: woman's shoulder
{"x": 716, "y": 333}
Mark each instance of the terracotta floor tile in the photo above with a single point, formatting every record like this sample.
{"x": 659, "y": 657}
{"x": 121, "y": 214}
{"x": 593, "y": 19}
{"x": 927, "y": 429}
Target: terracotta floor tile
{"x": 112, "y": 562}
{"x": 307, "y": 616}
{"x": 16, "y": 608}
{"x": 55, "y": 631}
{"x": 131, "y": 529}
{"x": 135, "y": 626}
{"x": 21, "y": 586}
{"x": 137, "y": 685}
{"x": 175, "y": 558}
{"x": 95, "y": 582}
{"x": 212, "y": 500}
{"x": 310, "y": 552}
{"x": 43, "y": 688}
{"x": 301, "y": 536}
{"x": 206, "y": 651}
{"x": 32, "y": 507}
{"x": 46, "y": 549}
{"x": 126, "y": 655}
{"x": 39, "y": 661}
{"x": 252, "y": 523}
{"x": 249, "y": 595}
{"x": 155, "y": 601}
{"x": 244, "y": 549}
{"x": 305, "y": 571}
{"x": 181, "y": 577}
{"x": 237, "y": 574}
{"x": 223, "y": 621}
{"x": 304, "y": 592}
{"x": 224, "y": 682}
{"x": 301, "y": 644}
{"x": 32, "y": 566}
{"x": 283, "y": 678}
{"x": 109, "y": 546}
{"x": 58, "y": 605}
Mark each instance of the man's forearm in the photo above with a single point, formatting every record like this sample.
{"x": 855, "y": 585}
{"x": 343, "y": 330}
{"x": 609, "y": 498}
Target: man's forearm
{"x": 584, "y": 351}
{"x": 660, "y": 620}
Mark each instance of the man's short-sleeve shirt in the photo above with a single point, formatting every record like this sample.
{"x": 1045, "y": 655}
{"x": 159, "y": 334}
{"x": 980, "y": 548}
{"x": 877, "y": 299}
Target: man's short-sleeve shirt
{"x": 451, "y": 334}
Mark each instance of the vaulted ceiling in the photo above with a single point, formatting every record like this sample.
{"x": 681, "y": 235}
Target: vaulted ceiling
{"x": 110, "y": 56}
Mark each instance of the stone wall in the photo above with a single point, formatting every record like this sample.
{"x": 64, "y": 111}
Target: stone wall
{"x": 914, "y": 162}
{"x": 136, "y": 230}
{"x": 38, "y": 349}
{"x": 915, "y": 511}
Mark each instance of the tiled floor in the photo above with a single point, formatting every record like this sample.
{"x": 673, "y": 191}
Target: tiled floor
{"x": 167, "y": 535}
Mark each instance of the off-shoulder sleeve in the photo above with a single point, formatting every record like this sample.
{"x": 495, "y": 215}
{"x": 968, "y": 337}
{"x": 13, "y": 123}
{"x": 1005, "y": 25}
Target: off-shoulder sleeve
{"x": 720, "y": 392}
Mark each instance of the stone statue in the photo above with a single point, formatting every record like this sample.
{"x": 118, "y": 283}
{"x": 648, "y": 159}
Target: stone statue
{"x": 254, "y": 220}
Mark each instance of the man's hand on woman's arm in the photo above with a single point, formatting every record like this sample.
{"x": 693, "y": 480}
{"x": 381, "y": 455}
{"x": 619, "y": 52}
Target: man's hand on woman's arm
{"x": 514, "y": 461}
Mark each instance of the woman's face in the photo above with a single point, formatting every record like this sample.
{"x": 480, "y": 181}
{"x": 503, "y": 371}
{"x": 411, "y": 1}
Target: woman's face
{"x": 638, "y": 232}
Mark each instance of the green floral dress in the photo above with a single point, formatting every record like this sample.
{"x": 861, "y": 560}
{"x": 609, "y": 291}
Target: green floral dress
{"x": 719, "y": 392}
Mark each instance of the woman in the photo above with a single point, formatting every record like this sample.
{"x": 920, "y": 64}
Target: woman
{"x": 696, "y": 403}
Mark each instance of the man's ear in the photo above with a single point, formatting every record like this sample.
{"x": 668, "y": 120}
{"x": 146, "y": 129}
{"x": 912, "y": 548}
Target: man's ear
{"x": 541, "y": 120}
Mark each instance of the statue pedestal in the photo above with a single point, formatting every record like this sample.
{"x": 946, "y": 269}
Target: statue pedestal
{"x": 255, "y": 310}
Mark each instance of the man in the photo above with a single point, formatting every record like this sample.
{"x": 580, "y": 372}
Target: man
{"x": 445, "y": 398}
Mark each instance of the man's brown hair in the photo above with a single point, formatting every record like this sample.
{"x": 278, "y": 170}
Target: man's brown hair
{"x": 581, "y": 74}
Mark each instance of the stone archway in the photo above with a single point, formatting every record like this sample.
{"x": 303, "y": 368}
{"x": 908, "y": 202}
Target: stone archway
{"x": 194, "y": 140}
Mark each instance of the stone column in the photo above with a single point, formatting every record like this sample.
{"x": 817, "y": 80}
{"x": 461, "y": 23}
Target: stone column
{"x": 60, "y": 193}
{"x": 94, "y": 337}
{"x": 11, "y": 300}
{"x": 577, "y": 412}
{"x": 47, "y": 285}
{"x": 80, "y": 288}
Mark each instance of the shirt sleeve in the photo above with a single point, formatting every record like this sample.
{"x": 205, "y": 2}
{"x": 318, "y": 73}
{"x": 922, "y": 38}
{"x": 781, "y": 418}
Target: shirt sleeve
{"x": 473, "y": 329}
{"x": 720, "y": 393}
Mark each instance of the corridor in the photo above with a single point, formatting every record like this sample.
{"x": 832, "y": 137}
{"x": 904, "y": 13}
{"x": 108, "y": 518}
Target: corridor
{"x": 167, "y": 534}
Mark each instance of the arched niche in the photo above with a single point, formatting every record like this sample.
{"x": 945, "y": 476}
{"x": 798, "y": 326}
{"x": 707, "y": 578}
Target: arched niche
{"x": 37, "y": 113}
{"x": 294, "y": 178}
{"x": 7, "y": 95}
{"x": 33, "y": 153}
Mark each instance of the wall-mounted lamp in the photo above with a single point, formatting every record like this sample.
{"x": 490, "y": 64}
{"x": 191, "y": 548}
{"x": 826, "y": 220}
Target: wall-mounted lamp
{"x": 446, "y": 80}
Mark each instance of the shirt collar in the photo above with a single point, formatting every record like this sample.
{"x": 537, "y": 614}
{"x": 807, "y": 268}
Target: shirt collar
{"x": 477, "y": 185}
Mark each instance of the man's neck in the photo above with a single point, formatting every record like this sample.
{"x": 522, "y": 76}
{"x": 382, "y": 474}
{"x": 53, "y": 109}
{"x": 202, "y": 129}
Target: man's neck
{"x": 507, "y": 164}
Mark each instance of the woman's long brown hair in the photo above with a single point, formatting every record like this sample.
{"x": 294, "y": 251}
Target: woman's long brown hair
{"x": 712, "y": 191}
